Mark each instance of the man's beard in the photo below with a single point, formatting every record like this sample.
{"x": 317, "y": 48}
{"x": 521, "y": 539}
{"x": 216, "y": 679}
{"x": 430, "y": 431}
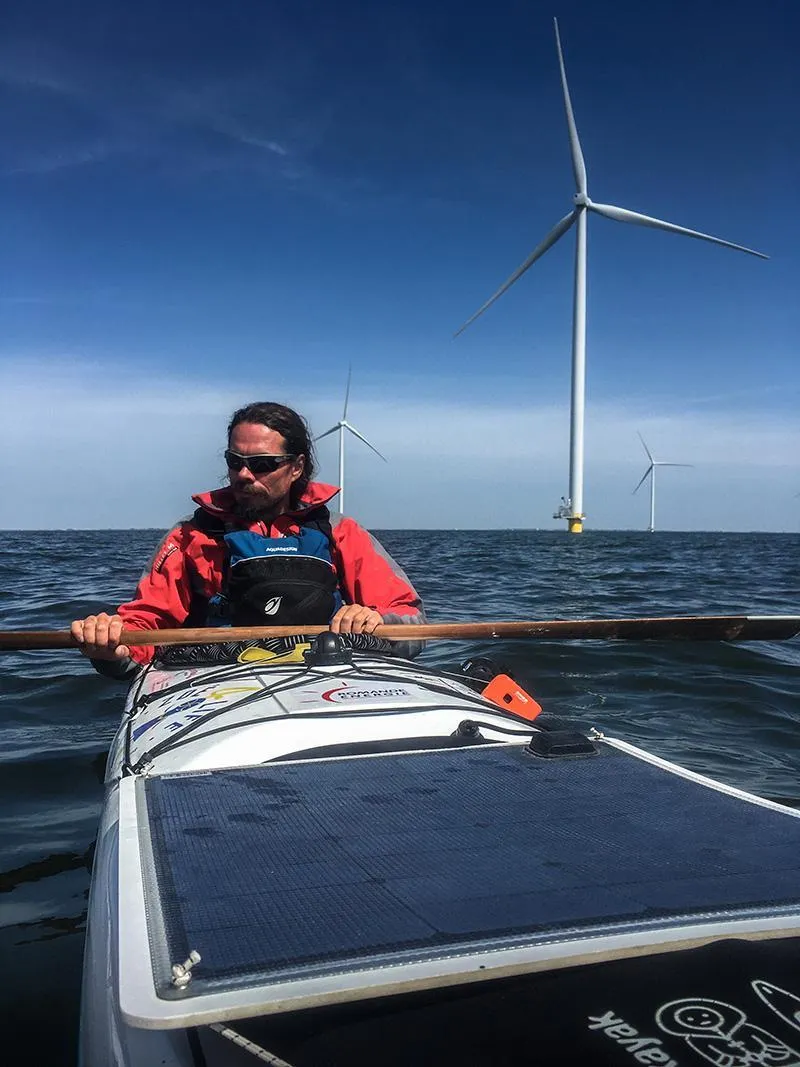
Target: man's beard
{"x": 251, "y": 508}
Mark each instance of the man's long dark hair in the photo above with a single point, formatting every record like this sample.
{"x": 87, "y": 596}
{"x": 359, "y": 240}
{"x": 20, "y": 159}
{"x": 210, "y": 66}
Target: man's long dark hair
{"x": 292, "y": 427}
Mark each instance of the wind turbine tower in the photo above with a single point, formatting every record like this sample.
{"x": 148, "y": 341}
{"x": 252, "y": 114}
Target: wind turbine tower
{"x": 572, "y": 508}
{"x": 651, "y": 470}
{"x": 340, "y": 428}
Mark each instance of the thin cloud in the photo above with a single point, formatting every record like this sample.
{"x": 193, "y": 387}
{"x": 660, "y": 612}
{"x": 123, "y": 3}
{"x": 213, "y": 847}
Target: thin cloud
{"x": 24, "y": 65}
{"x": 777, "y": 389}
{"x": 68, "y": 159}
{"x": 247, "y": 121}
{"x": 282, "y": 119}
{"x": 125, "y": 451}
{"x": 64, "y": 114}
{"x": 236, "y": 132}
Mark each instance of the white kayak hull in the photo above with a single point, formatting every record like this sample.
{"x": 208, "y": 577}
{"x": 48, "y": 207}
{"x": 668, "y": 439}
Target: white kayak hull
{"x": 253, "y": 809}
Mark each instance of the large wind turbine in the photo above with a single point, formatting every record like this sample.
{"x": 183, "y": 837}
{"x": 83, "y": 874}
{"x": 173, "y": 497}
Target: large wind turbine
{"x": 651, "y": 470}
{"x": 572, "y": 509}
{"x": 340, "y": 427}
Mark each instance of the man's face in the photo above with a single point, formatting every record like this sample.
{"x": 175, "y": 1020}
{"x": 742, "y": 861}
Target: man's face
{"x": 261, "y": 496}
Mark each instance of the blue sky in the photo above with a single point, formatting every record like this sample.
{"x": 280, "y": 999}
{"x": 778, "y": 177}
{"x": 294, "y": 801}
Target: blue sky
{"x": 205, "y": 204}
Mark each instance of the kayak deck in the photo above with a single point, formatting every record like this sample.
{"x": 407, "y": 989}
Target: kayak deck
{"x": 315, "y": 881}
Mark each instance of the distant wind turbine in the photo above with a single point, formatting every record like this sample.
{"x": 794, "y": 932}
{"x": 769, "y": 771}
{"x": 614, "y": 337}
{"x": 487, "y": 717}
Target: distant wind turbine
{"x": 572, "y": 508}
{"x": 340, "y": 427}
{"x": 651, "y": 470}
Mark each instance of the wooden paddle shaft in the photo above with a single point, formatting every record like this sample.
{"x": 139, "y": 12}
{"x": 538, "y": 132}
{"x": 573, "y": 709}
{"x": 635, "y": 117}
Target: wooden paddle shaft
{"x": 675, "y": 628}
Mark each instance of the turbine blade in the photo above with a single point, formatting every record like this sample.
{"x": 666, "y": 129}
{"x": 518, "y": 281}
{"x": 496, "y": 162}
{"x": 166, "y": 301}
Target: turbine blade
{"x": 557, "y": 231}
{"x": 347, "y": 392}
{"x": 647, "y": 450}
{"x": 621, "y": 214}
{"x": 361, "y": 437}
{"x": 661, "y": 463}
{"x": 578, "y": 164}
{"x": 333, "y": 429}
{"x": 641, "y": 483}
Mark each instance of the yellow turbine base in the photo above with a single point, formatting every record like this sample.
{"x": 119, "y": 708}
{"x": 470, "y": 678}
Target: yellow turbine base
{"x": 575, "y": 523}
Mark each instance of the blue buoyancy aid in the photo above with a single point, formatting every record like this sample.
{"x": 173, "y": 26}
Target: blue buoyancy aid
{"x": 277, "y": 581}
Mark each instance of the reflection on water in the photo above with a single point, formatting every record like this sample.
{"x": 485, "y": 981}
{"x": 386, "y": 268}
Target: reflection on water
{"x": 44, "y": 868}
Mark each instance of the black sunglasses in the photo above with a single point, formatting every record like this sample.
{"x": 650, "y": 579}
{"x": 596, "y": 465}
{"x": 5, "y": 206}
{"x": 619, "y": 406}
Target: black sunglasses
{"x": 255, "y": 464}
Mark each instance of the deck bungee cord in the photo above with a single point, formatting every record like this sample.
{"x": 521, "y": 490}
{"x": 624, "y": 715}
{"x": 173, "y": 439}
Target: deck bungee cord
{"x": 392, "y": 668}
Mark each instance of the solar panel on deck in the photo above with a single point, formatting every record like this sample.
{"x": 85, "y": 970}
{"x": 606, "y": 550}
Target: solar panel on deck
{"x": 305, "y": 868}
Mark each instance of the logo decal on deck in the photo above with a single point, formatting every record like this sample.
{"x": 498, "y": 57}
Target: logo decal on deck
{"x": 168, "y": 679}
{"x": 644, "y": 1049}
{"x": 717, "y": 1031}
{"x": 345, "y": 693}
{"x": 274, "y": 659}
{"x": 721, "y": 1034}
{"x": 190, "y": 709}
{"x": 785, "y": 1005}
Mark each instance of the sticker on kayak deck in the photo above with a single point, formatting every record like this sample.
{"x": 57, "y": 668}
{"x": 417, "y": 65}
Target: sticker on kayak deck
{"x": 721, "y": 1034}
{"x": 190, "y": 707}
{"x": 343, "y": 694}
{"x": 166, "y": 679}
{"x": 717, "y": 1031}
{"x": 348, "y": 693}
{"x": 273, "y": 659}
{"x": 643, "y": 1047}
{"x": 785, "y": 1005}
{"x": 209, "y": 691}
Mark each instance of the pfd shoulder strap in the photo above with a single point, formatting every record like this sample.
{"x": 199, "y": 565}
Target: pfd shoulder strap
{"x": 318, "y": 518}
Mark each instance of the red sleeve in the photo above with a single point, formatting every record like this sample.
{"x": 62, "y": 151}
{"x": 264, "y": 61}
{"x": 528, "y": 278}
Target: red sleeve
{"x": 163, "y": 595}
{"x": 368, "y": 575}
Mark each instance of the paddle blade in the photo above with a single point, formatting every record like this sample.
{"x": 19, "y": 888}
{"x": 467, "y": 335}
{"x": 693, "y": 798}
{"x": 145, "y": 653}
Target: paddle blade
{"x": 621, "y": 214}
{"x": 557, "y": 232}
